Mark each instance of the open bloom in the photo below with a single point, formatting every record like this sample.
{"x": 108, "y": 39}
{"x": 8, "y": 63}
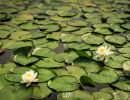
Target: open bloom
{"x": 29, "y": 77}
{"x": 103, "y": 51}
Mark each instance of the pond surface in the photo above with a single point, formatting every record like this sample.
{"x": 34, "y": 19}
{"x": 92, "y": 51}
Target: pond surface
{"x": 74, "y": 49}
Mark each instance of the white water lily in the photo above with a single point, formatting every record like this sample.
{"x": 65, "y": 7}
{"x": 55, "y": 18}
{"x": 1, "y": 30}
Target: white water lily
{"x": 29, "y": 77}
{"x": 103, "y": 51}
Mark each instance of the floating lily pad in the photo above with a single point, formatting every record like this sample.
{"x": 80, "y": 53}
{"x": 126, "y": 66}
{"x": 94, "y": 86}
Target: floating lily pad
{"x": 114, "y": 20}
{"x": 103, "y": 31}
{"x": 54, "y": 35}
{"x": 77, "y": 23}
{"x": 43, "y": 52}
{"x": 126, "y": 26}
{"x": 70, "y": 38}
{"x": 70, "y": 29}
{"x": 49, "y": 63}
{"x": 77, "y": 46}
{"x": 77, "y": 72}
{"x": 78, "y": 94}
{"x": 115, "y": 61}
{"x": 64, "y": 83}
{"x": 11, "y": 44}
{"x": 117, "y": 28}
{"x": 102, "y": 95}
{"x": 116, "y": 39}
{"x": 92, "y": 39}
{"x": 41, "y": 91}
{"x": 104, "y": 76}
{"x": 28, "y": 26}
{"x": 2, "y": 16}
{"x": 22, "y": 57}
{"x": 4, "y": 33}
{"x": 45, "y": 75}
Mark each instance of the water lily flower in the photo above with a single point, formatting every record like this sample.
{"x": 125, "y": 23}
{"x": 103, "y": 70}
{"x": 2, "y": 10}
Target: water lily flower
{"x": 103, "y": 51}
{"x": 29, "y": 77}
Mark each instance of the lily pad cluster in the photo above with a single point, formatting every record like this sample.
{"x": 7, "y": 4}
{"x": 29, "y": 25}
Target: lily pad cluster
{"x": 58, "y": 40}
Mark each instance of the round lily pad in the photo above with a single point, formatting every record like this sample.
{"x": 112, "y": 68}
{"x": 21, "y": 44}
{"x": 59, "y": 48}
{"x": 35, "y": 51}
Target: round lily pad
{"x": 2, "y": 16}
{"x": 116, "y": 39}
{"x": 92, "y": 39}
{"x": 4, "y": 33}
{"x": 28, "y": 26}
{"x": 103, "y": 31}
{"x": 64, "y": 83}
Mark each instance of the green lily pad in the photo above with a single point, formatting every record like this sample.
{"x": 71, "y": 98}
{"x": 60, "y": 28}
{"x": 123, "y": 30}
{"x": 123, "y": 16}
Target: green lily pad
{"x": 61, "y": 72}
{"x": 123, "y": 85}
{"x": 103, "y": 31}
{"x": 2, "y": 16}
{"x": 126, "y": 26}
{"x": 92, "y": 39}
{"x": 102, "y": 96}
{"x": 28, "y": 26}
{"x": 70, "y": 38}
{"x": 113, "y": 20}
{"x": 54, "y": 35}
{"x": 43, "y": 52}
{"x": 117, "y": 28}
{"x": 115, "y": 61}
{"x": 22, "y": 57}
{"x": 50, "y": 27}
{"x": 77, "y": 46}
{"x": 88, "y": 65}
{"x": 49, "y": 63}
{"x": 67, "y": 13}
{"x": 116, "y": 39}
{"x": 20, "y": 35}
{"x": 6, "y": 67}
{"x": 64, "y": 83}
{"x": 70, "y": 28}
{"x": 43, "y": 22}
{"x": 39, "y": 41}
{"x": 4, "y": 33}
{"x": 127, "y": 36}
{"x": 11, "y": 44}
{"x": 10, "y": 10}
{"x": 77, "y": 72}
{"x": 14, "y": 77}
{"x": 104, "y": 76}
{"x": 77, "y": 23}
{"x": 41, "y": 91}
{"x": 75, "y": 95}
{"x": 45, "y": 75}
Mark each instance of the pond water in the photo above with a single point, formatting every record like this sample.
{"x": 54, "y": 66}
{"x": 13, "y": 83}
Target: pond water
{"x": 77, "y": 49}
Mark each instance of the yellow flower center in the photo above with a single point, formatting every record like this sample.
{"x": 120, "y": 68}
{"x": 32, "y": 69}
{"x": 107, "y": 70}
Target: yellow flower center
{"x": 101, "y": 50}
{"x": 28, "y": 75}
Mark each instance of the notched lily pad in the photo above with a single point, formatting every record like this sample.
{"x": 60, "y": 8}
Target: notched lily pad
{"x": 4, "y": 33}
{"x": 64, "y": 83}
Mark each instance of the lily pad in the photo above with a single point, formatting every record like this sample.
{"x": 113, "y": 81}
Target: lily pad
{"x": 4, "y": 33}
{"x": 78, "y": 94}
{"x": 70, "y": 38}
{"x": 92, "y": 39}
{"x": 45, "y": 74}
{"x": 64, "y": 83}
{"x": 126, "y": 26}
{"x": 104, "y": 76}
{"x": 77, "y": 23}
{"x": 115, "y": 61}
{"x": 103, "y": 31}
{"x": 49, "y": 63}
{"x": 41, "y": 91}
{"x": 28, "y": 26}
{"x": 116, "y": 39}
{"x": 22, "y": 57}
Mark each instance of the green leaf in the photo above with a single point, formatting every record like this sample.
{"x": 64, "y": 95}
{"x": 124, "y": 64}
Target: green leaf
{"x": 126, "y": 26}
{"x": 75, "y": 95}
{"x": 64, "y": 83}
{"x": 115, "y": 61}
{"x": 4, "y": 33}
{"x": 116, "y": 39}
{"x": 14, "y": 77}
{"x": 22, "y": 57}
{"x": 49, "y": 63}
{"x": 86, "y": 81}
{"x": 41, "y": 91}
{"x": 102, "y": 96}
{"x": 104, "y": 76}
{"x": 77, "y": 72}
{"x": 28, "y": 26}
{"x": 77, "y": 46}
{"x": 43, "y": 52}
{"x": 45, "y": 75}
{"x": 92, "y": 39}
{"x": 103, "y": 31}
{"x": 77, "y": 23}
{"x": 11, "y": 44}
{"x": 70, "y": 38}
